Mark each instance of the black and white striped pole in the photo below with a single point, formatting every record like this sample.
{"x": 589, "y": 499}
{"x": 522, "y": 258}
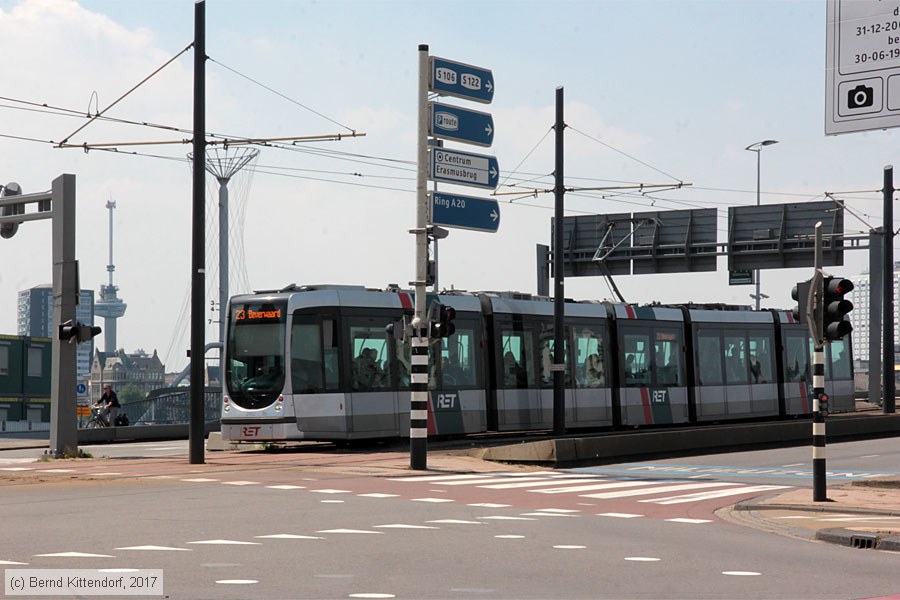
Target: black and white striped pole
{"x": 820, "y": 400}
{"x": 418, "y": 408}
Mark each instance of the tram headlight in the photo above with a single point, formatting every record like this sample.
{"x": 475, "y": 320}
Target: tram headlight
{"x": 279, "y": 404}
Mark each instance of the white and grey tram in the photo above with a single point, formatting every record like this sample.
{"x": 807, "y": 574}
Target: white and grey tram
{"x": 316, "y": 363}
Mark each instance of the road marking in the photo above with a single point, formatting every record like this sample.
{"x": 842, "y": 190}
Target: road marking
{"x": 225, "y": 543}
{"x": 161, "y": 548}
{"x": 642, "y": 558}
{"x": 431, "y": 478}
{"x": 741, "y": 573}
{"x": 237, "y": 581}
{"x": 455, "y": 522}
{"x": 619, "y": 515}
{"x": 348, "y": 531}
{"x": 871, "y": 456}
{"x": 683, "y": 520}
{"x": 199, "y": 480}
{"x": 793, "y": 465}
{"x": 403, "y": 526}
{"x": 506, "y": 518}
{"x": 17, "y": 469}
{"x": 286, "y": 487}
{"x": 373, "y": 595}
{"x": 330, "y": 491}
{"x": 435, "y": 500}
{"x": 56, "y": 470}
{"x": 12, "y": 562}
{"x": 536, "y": 483}
{"x": 105, "y": 474}
{"x": 599, "y": 486}
{"x": 716, "y": 494}
{"x": 570, "y": 547}
{"x": 288, "y": 536}
{"x": 489, "y": 505}
{"x": 509, "y": 537}
{"x": 547, "y": 514}
{"x": 331, "y": 501}
{"x": 667, "y": 488}
{"x": 240, "y": 483}
{"x": 377, "y": 495}
{"x": 77, "y": 555}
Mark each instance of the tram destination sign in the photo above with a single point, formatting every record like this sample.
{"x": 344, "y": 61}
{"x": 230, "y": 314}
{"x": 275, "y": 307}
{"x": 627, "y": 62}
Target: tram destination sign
{"x": 464, "y": 168}
{"x": 451, "y": 78}
{"x": 454, "y": 123}
{"x": 465, "y": 212}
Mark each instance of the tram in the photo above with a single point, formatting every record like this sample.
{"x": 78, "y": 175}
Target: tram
{"x": 316, "y": 363}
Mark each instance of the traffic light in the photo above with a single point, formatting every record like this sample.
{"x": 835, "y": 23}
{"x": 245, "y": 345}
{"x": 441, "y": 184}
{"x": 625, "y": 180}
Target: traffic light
{"x": 834, "y": 307}
{"x": 73, "y": 331}
{"x": 444, "y": 326}
{"x": 7, "y": 230}
{"x": 800, "y": 293}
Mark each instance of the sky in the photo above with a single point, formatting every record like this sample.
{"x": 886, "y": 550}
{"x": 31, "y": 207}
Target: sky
{"x": 655, "y": 93}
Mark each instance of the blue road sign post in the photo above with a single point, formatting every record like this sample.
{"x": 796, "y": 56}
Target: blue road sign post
{"x": 465, "y": 212}
{"x": 454, "y": 123}
{"x": 464, "y": 168}
{"x": 451, "y": 78}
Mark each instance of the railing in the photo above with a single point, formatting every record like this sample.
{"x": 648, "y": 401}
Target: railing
{"x": 166, "y": 407}
{"x": 21, "y": 426}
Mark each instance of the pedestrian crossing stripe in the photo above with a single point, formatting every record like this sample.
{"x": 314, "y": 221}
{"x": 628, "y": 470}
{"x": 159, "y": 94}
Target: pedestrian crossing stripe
{"x": 597, "y": 487}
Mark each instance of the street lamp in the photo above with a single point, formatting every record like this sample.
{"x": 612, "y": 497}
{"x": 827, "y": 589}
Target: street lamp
{"x": 757, "y": 147}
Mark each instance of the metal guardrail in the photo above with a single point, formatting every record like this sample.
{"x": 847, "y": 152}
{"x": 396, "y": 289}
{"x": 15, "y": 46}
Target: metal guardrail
{"x": 22, "y": 426}
{"x": 168, "y": 408}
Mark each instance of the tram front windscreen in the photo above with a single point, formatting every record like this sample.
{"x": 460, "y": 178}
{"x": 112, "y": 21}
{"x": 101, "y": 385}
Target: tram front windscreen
{"x": 254, "y": 369}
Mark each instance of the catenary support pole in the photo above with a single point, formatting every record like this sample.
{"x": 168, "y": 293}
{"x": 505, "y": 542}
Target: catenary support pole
{"x": 418, "y": 409}
{"x": 196, "y": 432}
{"x": 888, "y": 316}
{"x": 559, "y": 390}
{"x": 874, "y": 358}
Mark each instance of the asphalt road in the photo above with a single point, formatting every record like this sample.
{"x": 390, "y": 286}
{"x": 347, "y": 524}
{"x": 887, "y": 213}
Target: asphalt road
{"x": 302, "y": 533}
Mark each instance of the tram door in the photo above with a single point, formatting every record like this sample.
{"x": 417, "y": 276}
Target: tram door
{"x": 314, "y": 382}
{"x": 518, "y": 392}
{"x": 653, "y": 389}
{"x": 373, "y": 402}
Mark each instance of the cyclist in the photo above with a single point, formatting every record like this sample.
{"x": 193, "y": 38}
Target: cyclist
{"x": 109, "y": 405}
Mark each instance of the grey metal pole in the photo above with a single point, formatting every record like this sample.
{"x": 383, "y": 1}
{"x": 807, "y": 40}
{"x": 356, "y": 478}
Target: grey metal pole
{"x": 223, "y": 264}
{"x": 63, "y": 401}
{"x": 418, "y": 409}
{"x": 559, "y": 390}
{"x": 888, "y": 291}
{"x": 196, "y": 432}
{"x": 876, "y": 249}
{"x": 758, "y": 152}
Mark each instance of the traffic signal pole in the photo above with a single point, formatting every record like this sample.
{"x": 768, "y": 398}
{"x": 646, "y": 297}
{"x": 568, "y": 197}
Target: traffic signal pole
{"x": 816, "y": 327}
{"x": 418, "y": 409}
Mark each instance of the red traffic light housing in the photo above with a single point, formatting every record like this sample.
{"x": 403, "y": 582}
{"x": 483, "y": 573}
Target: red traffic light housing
{"x": 835, "y": 307}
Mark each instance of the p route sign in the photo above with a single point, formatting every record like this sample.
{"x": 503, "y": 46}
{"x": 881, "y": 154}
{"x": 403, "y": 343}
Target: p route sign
{"x": 450, "y": 122}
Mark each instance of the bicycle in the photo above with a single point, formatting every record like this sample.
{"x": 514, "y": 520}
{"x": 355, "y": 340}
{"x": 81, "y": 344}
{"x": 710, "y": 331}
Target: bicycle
{"x": 97, "y": 421}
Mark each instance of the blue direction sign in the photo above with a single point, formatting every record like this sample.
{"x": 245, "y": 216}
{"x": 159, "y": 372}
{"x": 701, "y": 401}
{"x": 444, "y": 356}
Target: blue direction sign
{"x": 464, "y": 168}
{"x": 454, "y": 123}
{"x": 450, "y": 78}
{"x": 465, "y": 212}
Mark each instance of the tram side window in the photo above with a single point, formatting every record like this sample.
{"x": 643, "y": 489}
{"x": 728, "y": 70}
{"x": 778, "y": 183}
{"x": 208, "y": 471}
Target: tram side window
{"x": 517, "y": 352}
{"x": 838, "y": 365}
{"x": 307, "y": 369}
{"x": 736, "y": 358}
{"x": 590, "y": 357}
{"x": 667, "y": 358}
{"x": 796, "y": 366}
{"x": 370, "y": 362}
{"x": 709, "y": 357}
{"x": 637, "y": 359}
{"x": 762, "y": 353}
{"x": 314, "y": 355}
{"x": 545, "y": 350}
{"x": 457, "y": 367}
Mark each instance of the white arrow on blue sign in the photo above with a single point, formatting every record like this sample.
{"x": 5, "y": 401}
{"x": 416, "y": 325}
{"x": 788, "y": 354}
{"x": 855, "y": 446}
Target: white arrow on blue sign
{"x": 451, "y": 78}
{"x": 454, "y": 123}
{"x": 464, "y": 168}
{"x": 465, "y": 212}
